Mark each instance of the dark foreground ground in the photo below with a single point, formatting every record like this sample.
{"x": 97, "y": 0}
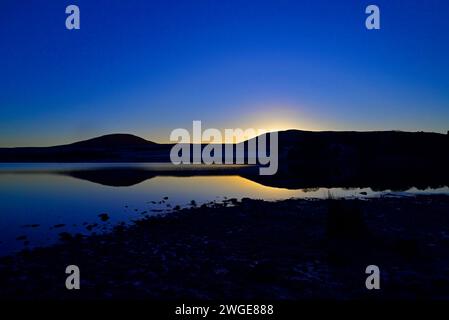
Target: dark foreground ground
{"x": 292, "y": 249}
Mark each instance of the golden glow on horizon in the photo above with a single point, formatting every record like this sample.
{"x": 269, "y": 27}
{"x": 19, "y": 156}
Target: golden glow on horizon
{"x": 269, "y": 118}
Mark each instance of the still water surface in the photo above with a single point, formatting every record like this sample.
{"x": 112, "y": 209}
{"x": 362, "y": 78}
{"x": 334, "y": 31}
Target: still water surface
{"x": 39, "y": 201}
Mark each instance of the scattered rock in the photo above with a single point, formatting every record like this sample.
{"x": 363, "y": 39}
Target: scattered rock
{"x": 65, "y": 236}
{"x": 35, "y": 225}
{"x": 91, "y": 226}
{"x": 104, "y": 217}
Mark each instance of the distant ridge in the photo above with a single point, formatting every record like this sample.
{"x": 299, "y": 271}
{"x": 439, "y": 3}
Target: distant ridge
{"x": 116, "y": 140}
{"x": 108, "y": 148}
{"x": 315, "y": 152}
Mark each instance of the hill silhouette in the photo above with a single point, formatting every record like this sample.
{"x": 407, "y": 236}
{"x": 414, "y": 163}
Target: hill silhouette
{"x": 327, "y": 152}
{"x": 117, "y": 140}
{"x": 107, "y": 148}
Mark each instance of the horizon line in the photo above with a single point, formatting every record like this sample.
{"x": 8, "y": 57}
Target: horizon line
{"x": 246, "y": 138}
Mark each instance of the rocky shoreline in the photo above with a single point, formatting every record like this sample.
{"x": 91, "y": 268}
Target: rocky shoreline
{"x": 251, "y": 249}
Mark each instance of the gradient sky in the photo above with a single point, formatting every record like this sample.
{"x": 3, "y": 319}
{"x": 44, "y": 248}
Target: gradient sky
{"x": 147, "y": 67}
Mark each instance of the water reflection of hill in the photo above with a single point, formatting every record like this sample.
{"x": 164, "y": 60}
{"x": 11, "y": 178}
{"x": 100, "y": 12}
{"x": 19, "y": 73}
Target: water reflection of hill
{"x": 123, "y": 177}
{"x": 129, "y": 176}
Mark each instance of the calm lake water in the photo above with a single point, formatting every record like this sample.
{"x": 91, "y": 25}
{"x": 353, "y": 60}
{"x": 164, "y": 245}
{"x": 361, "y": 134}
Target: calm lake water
{"x": 39, "y": 201}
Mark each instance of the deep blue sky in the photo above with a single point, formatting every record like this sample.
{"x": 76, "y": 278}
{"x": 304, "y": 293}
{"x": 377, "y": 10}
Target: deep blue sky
{"x": 147, "y": 67}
